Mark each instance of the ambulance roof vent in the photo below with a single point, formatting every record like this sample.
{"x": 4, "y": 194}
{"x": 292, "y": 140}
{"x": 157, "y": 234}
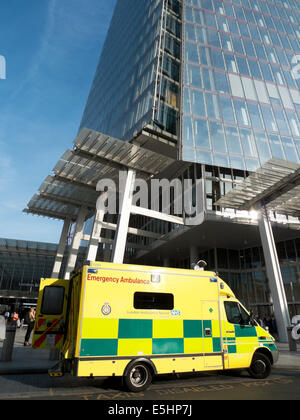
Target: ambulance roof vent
{"x": 200, "y": 266}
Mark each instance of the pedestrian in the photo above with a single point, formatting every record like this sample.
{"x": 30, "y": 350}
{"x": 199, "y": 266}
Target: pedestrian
{"x": 274, "y": 326}
{"x": 15, "y": 317}
{"x": 30, "y": 320}
{"x": 267, "y": 323}
{"x": 6, "y": 315}
{"x": 270, "y": 325}
{"x": 260, "y": 321}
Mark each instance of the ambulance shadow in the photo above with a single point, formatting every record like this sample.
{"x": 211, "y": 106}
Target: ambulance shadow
{"x": 117, "y": 383}
{"x": 109, "y": 383}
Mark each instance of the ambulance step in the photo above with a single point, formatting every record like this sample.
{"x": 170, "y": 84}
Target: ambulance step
{"x": 57, "y": 371}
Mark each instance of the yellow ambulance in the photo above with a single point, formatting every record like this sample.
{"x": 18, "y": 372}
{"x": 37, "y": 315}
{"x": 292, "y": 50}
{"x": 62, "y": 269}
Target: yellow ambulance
{"x": 139, "y": 321}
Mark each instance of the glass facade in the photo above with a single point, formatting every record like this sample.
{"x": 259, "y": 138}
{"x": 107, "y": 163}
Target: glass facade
{"x": 121, "y": 97}
{"x": 218, "y": 77}
{"x": 137, "y": 82}
{"x": 241, "y": 103}
{"x": 24, "y": 263}
{"x": 245, "y": 272}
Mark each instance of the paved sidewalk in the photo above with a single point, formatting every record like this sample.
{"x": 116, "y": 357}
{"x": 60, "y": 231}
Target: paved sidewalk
{"x": 25, "y": 360}
{"x": 29, "y": 361}
{"x": 287, "y": 359}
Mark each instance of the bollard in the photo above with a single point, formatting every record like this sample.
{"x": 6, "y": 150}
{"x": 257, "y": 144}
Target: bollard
{"x": 8, "y": 344}
{"x": 292, "y": 342}
{"x": 2, "y": 328}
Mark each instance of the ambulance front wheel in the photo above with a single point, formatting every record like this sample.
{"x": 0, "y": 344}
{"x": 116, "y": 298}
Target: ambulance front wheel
{"x": 260, "y": 367}
{"x": 138, "y": 377}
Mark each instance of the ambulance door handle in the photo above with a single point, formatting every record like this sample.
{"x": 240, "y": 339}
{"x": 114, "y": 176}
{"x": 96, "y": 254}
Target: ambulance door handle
{"x": 207, "y": 332}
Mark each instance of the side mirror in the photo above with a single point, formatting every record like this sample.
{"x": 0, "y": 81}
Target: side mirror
{"x": 251, "y": 319}
{"x": 242, "y": 321}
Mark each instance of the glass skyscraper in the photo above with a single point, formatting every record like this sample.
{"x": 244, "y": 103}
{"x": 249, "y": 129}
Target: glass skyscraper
{"x": 137, "y": 81}
{"x": 217, "y": 75}
{"x": 241, "y": 102}
{"x": 121, "y": 97}
{"x": 216, "y": 80}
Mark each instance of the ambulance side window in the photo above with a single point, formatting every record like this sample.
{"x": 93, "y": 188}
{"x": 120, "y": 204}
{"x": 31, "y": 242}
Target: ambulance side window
{"x": 163, "y": 301}
{"x": 53, "y": 300}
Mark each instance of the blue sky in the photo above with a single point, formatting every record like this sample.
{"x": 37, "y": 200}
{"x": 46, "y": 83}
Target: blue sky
{"x": 51, "y": 48}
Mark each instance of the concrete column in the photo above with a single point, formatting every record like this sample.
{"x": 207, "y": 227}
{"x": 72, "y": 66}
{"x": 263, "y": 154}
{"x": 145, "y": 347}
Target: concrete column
{"x": 97, "y": 228}
{"x": 119, "y": 246}
{"x": 281, "y": 311}
{"x": 61, "y": 249}
{"x": 76, "y": 242}
{"x": 8, "y": 345}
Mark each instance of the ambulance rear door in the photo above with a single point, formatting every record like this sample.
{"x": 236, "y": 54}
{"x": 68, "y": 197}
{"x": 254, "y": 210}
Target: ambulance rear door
{"x": 51, "y": 315}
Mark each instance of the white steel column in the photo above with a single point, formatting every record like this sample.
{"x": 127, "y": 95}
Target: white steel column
{"x": 61, "y": 249}
{"x": 281, "y": 311}
{"x": 119, "y": 246}
{"x": 76, "y": 242}
{"x": 97, "y": 227}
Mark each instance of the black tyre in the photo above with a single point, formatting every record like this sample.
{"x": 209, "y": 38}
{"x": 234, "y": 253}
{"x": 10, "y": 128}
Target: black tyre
{"x": 138, "y": 377}
{"x": 260, "y": 367}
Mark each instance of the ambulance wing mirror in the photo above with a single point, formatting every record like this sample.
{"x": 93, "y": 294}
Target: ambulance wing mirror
{"x": 252, "y": 320}
{"x": 249, "y": 321}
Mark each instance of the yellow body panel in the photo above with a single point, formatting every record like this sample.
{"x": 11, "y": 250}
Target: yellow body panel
{"x": 100, "y": 328}
{"x": 106, "y": 332}
{"x": 167, "y": 329}
{"x": 137, "y": 347}
{"x": 102, "y": 368}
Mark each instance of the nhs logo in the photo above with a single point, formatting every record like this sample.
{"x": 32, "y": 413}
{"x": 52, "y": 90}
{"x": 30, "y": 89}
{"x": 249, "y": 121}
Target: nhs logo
{"x": 2, "y": 68}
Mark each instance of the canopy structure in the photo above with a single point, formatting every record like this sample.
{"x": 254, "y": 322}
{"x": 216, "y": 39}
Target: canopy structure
{"x": 75, "y": 176}
{"x": 275, "y": 186}
{"x": 70, "y": 192}
{"x": 27, "y": 247}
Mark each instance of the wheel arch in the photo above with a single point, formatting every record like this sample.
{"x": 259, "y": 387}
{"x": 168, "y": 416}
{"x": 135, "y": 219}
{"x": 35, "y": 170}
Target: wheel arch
{"x": 266, "y": 352}
{"x": 143, "y": 360}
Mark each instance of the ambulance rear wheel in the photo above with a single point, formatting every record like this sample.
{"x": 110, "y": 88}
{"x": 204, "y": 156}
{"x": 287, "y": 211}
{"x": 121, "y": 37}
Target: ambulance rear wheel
{"x": 138, "y": 377}
{"x": 260, "y": 367}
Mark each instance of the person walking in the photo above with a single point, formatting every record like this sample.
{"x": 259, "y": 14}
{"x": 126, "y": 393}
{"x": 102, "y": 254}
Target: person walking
{"x": 30, "y": 320}
{"x": 6, "y": 315}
